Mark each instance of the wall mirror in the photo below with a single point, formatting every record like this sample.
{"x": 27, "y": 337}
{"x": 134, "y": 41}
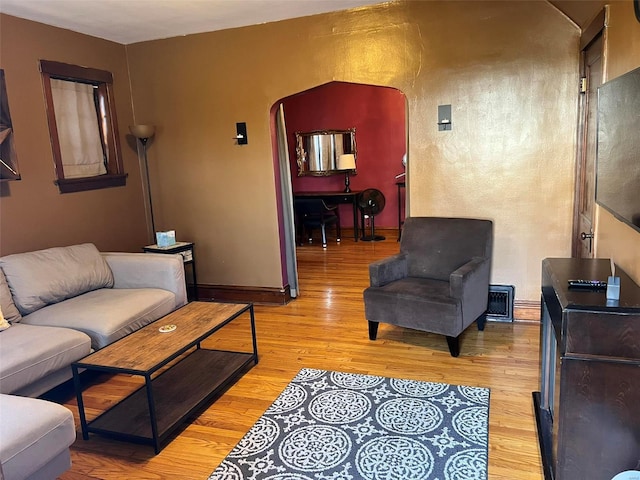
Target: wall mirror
{"x": 318, "y": 152}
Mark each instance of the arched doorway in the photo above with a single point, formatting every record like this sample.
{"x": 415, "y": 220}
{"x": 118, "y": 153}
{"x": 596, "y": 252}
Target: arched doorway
{"x": 379, "y": 116}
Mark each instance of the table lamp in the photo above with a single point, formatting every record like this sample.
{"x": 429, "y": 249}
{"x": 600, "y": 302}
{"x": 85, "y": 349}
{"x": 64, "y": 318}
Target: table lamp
{"x": 347, "y": 163}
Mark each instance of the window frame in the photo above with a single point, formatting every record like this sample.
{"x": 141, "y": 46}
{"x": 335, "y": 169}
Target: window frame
{"x": 103, "y": 80}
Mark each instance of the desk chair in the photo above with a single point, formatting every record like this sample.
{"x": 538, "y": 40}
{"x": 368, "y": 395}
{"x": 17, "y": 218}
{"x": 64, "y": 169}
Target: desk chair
{"x": 314, "y": 213}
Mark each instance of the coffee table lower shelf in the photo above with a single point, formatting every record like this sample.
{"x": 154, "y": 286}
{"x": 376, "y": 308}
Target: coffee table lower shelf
{"x": 154, "y": 411}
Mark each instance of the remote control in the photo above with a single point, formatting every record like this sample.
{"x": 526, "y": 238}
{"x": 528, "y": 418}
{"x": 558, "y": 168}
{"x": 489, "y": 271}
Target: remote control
{"x": 587, "y": 285}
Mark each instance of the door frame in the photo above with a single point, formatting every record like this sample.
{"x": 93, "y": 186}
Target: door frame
{"x": 595, "y": 29}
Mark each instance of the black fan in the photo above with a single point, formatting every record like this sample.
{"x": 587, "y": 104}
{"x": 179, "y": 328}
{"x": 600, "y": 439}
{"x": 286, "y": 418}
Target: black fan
{"x": 371, "y": 202}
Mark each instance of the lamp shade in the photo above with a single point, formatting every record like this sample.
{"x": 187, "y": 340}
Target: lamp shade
{"x": 347, "y": 161}
{"x": 142, "y": 131}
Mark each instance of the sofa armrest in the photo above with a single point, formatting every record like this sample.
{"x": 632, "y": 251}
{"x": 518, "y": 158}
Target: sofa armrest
{"x": 149, "y": 270}
{"x": 388, "y": 270}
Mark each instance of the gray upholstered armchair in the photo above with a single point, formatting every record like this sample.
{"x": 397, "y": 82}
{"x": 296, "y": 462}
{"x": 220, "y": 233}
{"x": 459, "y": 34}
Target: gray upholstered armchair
{"x": 439, "y": 282}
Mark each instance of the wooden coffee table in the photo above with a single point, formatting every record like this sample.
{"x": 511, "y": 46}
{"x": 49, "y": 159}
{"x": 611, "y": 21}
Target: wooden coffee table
{"x": 155, "y": 410}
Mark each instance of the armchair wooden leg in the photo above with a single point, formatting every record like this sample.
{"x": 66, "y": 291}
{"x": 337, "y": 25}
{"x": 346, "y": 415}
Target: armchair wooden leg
{"x": 482, "y": 321}
{"x": 454, "y": 345}
{"x": 373, "y": 330}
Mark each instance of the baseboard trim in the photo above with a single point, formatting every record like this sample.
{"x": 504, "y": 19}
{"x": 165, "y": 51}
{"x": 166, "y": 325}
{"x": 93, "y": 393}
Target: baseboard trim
{"x": 526, "y": 311}
{"x": 523, "y": 310}
{"x": 258, "y": 295}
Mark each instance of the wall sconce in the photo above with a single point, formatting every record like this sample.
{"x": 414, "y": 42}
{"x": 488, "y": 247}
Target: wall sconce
{"x": 241, "y": 133}
{"x": 444, "y": 117}
{"x": 347, "y": 163}
{"x": 144, "y": 133}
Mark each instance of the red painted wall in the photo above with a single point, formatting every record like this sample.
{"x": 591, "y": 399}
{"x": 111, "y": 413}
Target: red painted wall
{"x": 378, "y": 115}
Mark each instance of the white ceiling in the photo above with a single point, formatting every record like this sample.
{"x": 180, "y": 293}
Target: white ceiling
{"x": 130, "y": 21}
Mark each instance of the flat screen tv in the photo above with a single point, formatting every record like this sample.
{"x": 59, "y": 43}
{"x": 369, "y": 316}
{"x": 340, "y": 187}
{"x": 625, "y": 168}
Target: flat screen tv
{"x": 618, "y": 148}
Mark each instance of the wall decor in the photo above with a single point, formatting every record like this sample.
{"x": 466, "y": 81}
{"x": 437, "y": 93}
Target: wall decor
{"x": 318, "y": 152}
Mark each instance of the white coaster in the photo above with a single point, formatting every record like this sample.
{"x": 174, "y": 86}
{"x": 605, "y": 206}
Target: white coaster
{"x": 167, "y": 328}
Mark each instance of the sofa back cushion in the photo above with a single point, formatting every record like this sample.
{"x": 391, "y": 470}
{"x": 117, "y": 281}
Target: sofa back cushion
{"x": 8, "y": 308}
{"x": 37, "y": 279}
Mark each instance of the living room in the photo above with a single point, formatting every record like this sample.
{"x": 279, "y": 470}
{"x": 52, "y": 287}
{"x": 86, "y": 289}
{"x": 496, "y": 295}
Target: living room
{"x": 509, "y": 70}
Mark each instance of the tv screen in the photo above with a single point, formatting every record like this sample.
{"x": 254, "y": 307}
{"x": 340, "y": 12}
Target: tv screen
{"x": 618, "y": 150}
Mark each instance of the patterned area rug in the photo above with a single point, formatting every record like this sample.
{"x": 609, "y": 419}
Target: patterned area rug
{"x": 344, "y": 426}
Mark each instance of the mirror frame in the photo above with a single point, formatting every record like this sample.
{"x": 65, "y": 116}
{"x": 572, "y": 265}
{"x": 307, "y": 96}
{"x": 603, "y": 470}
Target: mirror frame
{"x": 302, "y": 152}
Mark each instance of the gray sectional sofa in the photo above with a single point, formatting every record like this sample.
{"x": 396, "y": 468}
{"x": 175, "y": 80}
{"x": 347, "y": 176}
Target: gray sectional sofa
{"x": 62, "y": 303}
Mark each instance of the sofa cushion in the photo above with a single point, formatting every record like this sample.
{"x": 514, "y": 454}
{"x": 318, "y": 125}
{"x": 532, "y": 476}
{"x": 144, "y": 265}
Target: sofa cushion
{"x": 43, "y": 277}
{"x": 33, "y": 433}
{"x": 7, "y": 306}
{"x": 108, "y": 314}
{"x": 30, "y": 353}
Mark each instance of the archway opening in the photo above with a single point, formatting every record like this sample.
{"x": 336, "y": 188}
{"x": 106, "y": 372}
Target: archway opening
{"x": 379, "y": 116}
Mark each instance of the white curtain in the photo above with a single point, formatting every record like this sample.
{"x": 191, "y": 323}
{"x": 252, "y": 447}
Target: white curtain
{"x": 78, "y": 129}
{"x": 287, "y": 203}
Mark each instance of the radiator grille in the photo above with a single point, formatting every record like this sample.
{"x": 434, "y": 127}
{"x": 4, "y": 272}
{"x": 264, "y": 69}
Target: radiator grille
{"x": 500, "y": 307}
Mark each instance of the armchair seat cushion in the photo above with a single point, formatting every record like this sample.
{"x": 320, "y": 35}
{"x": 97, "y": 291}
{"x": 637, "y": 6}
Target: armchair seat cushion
{"x": 409, "y": 302}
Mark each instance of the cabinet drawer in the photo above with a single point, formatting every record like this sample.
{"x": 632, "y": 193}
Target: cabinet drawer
{"x": 611, "y": 335}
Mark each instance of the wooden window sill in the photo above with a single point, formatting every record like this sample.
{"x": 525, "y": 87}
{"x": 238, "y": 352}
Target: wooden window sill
{"x": 70, "y": 185}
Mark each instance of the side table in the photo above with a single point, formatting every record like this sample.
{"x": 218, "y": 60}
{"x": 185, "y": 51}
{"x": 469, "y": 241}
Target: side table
{"x": 187, "y": 250}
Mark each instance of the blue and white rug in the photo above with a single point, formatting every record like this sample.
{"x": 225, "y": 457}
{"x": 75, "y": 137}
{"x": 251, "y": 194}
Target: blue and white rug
{"x": 345, "y": 426}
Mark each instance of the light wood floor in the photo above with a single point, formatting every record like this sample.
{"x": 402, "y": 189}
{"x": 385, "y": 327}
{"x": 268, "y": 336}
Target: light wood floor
{"x": 325, "y": 328}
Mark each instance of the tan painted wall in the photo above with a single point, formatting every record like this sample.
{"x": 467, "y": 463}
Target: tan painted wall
{"x": 509, "y": 70}
{"x": 33, "y": 214}
{"x": 615, "y": 239}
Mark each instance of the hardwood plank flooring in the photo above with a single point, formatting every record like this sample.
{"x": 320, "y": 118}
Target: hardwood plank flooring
{"x": 325, "y": 328}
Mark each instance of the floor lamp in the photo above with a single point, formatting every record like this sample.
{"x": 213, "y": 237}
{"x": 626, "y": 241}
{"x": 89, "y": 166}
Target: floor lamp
{"x": 144, "y": 133}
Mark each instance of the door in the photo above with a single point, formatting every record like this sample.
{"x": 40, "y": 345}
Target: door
{"x": 585, "y": 198}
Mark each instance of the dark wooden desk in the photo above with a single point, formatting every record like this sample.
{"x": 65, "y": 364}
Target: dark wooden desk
{"x": 334, "y": 198}
{"x": 587, "y": 410}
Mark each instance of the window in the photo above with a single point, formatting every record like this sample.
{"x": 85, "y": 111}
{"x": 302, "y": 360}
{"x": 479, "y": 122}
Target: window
{"x": 8, "y": 158}
{"x": 82, "y": 126}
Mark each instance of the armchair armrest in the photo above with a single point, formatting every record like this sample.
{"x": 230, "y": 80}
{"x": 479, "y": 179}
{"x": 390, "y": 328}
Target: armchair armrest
{"x": 470, "y": 284}
{"x": 388, "y": 270}
{"x": 149, "y": 270}
{"x": 472, "y": 276}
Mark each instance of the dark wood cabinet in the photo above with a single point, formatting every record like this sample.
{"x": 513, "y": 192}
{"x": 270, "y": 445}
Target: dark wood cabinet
{"x": 588, "y": 407}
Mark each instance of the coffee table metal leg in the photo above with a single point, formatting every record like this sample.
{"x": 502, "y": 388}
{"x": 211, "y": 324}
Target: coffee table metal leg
{"x": 253, "y": 335}
{"x": 152, "y": 414}
{"x": 78, "y": 387}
